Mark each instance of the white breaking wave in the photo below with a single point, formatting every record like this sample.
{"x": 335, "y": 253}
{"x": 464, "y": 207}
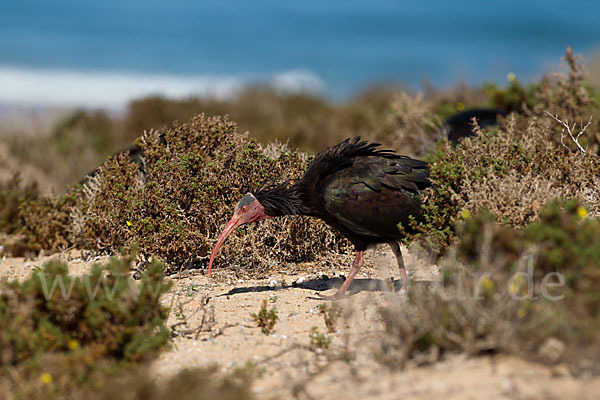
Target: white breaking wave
{"x": 112, "y": 90}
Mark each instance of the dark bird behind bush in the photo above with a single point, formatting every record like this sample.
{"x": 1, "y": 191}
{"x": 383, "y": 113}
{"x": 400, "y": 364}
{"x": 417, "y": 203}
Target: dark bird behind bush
{"x": 460, "y": 125}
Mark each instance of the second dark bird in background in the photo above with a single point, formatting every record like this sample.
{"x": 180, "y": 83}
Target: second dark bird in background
{"x": 461, "y": 125}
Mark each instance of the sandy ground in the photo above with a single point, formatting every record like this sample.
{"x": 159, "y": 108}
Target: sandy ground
{"x": 214, "y": 326}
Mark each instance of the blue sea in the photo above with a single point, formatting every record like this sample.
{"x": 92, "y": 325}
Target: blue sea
{"x": 102, "y": 53}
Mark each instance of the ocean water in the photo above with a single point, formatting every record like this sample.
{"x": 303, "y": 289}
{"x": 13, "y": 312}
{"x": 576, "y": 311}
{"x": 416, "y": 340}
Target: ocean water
{"x": 103, "y": 53}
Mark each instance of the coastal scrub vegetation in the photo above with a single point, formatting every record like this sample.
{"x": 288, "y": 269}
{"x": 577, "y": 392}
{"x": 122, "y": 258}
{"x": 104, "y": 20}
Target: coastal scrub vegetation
{"x": 174, "y": 195}
{"x": 516, "y": 168}
{"x": 530, "y": 291}
{"x": 520, "y": 198}
{"x": 513, "y": 211}
{"x": 173, "y": 206}
{"x": 92, "y": 336}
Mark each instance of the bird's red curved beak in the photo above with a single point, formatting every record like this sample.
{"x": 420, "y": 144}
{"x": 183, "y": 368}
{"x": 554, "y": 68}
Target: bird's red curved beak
{"x": 233, "y": 223}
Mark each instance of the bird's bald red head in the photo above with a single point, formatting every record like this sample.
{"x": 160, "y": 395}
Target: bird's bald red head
{"x": 248, "y": 210}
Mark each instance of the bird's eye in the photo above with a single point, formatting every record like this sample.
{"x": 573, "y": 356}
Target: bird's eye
{"x": 244, "y": 209}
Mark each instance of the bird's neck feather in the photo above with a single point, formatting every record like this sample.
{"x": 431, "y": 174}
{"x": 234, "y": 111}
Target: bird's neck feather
{"x": 283, "y": 200}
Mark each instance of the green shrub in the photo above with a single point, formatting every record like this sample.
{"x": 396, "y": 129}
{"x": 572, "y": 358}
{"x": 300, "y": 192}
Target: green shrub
{"x": 91, "y": 337}
{"x": 104, "y": 313}
{"x": 514, "y": 97}
{"x": 192, "y": 180}
{"x": 46, "y": 222}
{"x": 13, "y": 193}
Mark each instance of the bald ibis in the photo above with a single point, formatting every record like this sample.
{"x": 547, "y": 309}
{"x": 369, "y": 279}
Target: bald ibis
{"x": 461, "y": 125}
{"x": 355, "y": 187}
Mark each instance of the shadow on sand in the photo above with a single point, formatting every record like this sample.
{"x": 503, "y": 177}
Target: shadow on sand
{"x": 319, "y": 285}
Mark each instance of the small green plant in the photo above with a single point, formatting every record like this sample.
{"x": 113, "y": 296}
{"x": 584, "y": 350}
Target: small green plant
{"x": 330, "y": 315}
{"x": 513, "y": 97}
{"x": 318, "y": 340}
{"x": 266, "y": 319}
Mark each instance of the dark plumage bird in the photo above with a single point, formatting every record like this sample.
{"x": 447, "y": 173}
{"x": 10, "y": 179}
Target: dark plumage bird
{"x": 355, "y": 187}
{"x": 461, "y": 125}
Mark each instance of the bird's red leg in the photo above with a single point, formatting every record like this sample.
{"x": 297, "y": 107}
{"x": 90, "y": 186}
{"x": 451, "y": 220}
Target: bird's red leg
{"x": 396, "y": 249}
{"x": 355, "y": 267}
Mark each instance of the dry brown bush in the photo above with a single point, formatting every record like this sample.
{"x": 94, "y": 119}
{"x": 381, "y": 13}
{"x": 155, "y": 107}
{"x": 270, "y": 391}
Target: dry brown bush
{"x": 530, "y": 291}
{"x": 410, "y": 125}
{"x": 44, "y": 223}
{"x": 13, "y": 192}
{"x": 568, "y": 97}
{"x": 518, "y": 170}
{"x": 512, "y": 171}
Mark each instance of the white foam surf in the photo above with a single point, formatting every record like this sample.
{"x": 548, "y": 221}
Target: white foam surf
{"x": 113, "y": 90}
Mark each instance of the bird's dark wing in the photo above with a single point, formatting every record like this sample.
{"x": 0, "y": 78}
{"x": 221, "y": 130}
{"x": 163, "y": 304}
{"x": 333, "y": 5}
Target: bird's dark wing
{"x": 342, "y": 155}
{"x": 397, "y": 173}
{"x": 373, "y": 195}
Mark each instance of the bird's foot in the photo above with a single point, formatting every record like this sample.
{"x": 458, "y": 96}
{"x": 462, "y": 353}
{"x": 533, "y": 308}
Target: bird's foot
{"x": 404, "y": 277}
{"x": 340, "y": 292}
{"x": 336, "y": 296}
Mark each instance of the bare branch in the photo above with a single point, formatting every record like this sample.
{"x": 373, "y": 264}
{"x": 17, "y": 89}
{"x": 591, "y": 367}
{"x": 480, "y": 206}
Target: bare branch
{"x": 584, "y": 128}
{"x": 570, "y": 130}
{"x": 184, "y": 328}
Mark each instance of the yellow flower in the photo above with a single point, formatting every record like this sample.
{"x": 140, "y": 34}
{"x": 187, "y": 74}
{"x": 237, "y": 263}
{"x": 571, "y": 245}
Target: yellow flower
{"x": 128, "y": 223}
{"x": 582, "y": 212}
{"x": 487, "y": 283}
{"x": 460, "y": 106}
{"x": 73, "y": 344}
{"x": 465, "y": 213}
{"x": 46, "y": 378}
{"x": 516, "y": 284}
{"x": 511, "y": 76}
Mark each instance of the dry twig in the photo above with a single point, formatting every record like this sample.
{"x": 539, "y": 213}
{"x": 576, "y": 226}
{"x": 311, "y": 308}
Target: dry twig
{"x": 183, "y": 328}
{"x": 570, "y": 130}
